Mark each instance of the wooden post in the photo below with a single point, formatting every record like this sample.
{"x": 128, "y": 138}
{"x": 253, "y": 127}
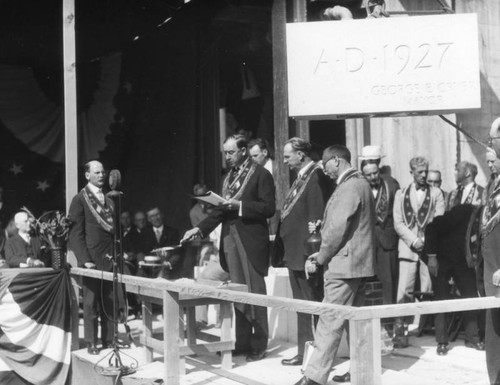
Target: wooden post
{"x": 366, "y": 362}
{"x": 147, "y": 327}
{"x": 280, "y": 99}
{"x": 171, "y": 375}
{"x": 300, "y": 15}
{"x": 225, "y": 333}
{"x": 70, "y": 112}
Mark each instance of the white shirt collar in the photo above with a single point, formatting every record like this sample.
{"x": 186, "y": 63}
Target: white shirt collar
{"x": 25, "y": 236}
{"x": 466, "y": 191}
{"x": 341, "y": 176}
{"x": 304, "y": 169}
{"x": 95, "y": 190}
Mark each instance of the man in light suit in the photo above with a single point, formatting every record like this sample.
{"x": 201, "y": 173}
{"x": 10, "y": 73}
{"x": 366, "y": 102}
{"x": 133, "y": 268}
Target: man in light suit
{"x": 347, "y": 252}
{"x": 244, "y": 246}
{"x": 415, "y": 207}
{"x": 91, "y": 239}
{"x": 304, "y": 203}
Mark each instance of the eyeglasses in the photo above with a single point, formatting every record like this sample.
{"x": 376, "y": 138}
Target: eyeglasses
{"x": 490, "y": 140}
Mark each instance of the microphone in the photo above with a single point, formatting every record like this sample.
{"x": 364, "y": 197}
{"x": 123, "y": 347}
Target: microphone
{"x": 115, "y": 180}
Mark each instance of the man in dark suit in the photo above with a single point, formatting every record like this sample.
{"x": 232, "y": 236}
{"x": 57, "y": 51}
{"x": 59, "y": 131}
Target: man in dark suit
{"x": 244, "y": 248}
{"x": 446, "y": 244}
{"x": 490, "y": 244}
{"x": 383, "y": 189}
{"x": 468, "y": 191}
{"x": 91, "y": 239}
{"x": 348, "y": 249}
{"x": 160, "y": 235}
{"x": 23, "y": 249}
{"x": 304, "y": 203}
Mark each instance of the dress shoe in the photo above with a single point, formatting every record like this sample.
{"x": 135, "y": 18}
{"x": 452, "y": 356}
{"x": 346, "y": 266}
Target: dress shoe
{"x": 107, "y": 345}
{"x": 346, "y": 377}
{"x": 475, "y": 345}
{"x": 306, "y": 381}
{"x": 92, "y": 348}
{"x": 236, "y": 352}
{"x": 295, "y": 361}
{"x": 256, "y": 355}
{"x": 442, "y": 349}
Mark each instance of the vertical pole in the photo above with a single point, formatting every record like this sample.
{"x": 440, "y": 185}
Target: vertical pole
{"x": 366, "y": 361}
{"x": 171, "y": 375}
{"x": 280, "y": 98}
{"x": 70, "y": 125}
{"x": 225, "y": 334}
{"x": 300, "y": 15}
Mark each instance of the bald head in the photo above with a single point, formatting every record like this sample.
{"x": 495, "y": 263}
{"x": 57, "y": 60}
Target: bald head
{"x": 22, "y": 222}
{"x": 94, "y": 173}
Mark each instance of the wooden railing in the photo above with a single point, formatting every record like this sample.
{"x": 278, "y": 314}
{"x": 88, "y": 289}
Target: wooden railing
{"x": 364, "y": 322}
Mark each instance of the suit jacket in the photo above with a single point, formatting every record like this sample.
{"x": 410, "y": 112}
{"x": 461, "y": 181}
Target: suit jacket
{"x": 169, "y": 237}
{"x": 406, "y": 234}
{"x": 384, "y": 231}
{"x": 87, "y": 238}
{"x": 348, "y": 232}
{"x": 310, "y": 206}
{"x": 17, "y": 250}
{"x": 258, "y": 204}
{"x": 476, "y": 198}
{"x": 446, "y": 236}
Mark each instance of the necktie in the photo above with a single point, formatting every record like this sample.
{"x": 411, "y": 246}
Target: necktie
{"x": 158, "y": 234}
{"x": 100, "y": 196}
{"x": 458, "y": 198}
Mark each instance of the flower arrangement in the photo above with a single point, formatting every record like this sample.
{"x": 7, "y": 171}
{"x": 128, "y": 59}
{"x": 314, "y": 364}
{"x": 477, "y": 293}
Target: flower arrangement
{"x": 52, "y": 227}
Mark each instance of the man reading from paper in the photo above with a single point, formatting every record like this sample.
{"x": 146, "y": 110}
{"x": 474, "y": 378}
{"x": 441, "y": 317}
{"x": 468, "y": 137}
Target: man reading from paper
{"x": 244, "y": 247}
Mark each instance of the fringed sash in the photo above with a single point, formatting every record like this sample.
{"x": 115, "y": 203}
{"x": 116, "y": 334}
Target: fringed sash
{"x": 423, "y": 213}
{"x": 491, "y": 213}
{"x": 234, "y": 189}
{"x": 298, "y": 187}
{"x": 382, "y": 201}
{"x": 103, "y": 214}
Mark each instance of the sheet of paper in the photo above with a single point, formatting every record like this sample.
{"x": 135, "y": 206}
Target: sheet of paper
{"x": 211, "y": 197}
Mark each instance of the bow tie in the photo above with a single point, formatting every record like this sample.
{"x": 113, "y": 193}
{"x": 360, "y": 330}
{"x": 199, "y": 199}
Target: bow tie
{"x": 236, "y": 169}
{"x": 423, "y": 188}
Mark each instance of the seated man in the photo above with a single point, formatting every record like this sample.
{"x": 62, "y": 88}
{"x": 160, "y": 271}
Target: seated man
{"x": 160, "y": 235}
{"x": 23, "y": 249}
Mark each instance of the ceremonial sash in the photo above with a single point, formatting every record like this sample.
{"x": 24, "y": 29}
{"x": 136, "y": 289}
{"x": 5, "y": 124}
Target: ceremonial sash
{"x": 382, "y": 201}
{"x": 423, "y": 213}
{"x": 298, "y": 187}
{"x": 103, "y": 214}
{"x": 470, "y": 197}
{"x": 491, "y": 213}
{"x": 235, "y": 188}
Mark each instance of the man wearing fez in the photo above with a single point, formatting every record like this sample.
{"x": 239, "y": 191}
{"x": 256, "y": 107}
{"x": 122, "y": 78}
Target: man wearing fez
{"x": 347, "y": 253}
{"x": 490, "y": 246}
{"x": 91, "y": 239}
{"x": 383, "y": 189}
{"x": 244, "y": 247}
{"x": 304, "y": 203}
{"x": 415, "y": 207}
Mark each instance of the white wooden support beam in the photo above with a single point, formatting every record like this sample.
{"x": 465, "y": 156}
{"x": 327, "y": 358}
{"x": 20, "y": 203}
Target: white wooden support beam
{"x": 366, "y": 361}
{"x": 70, "y": 112}
{"x": 171, "y": 355}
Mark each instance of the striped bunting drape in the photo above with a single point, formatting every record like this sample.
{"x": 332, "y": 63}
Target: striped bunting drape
{"x": 35, "y": 326}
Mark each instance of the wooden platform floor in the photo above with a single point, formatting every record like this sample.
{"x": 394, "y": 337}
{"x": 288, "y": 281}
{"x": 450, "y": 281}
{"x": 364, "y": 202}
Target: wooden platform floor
{"x": 416, "y": 365}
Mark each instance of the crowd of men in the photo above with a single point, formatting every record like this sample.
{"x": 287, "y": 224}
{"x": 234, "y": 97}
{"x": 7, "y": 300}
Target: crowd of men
{"x": 417, "y": 240}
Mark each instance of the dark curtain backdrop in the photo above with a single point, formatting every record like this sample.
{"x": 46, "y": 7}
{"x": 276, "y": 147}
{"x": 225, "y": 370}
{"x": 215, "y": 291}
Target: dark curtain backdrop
{"x": 172, "y": 116}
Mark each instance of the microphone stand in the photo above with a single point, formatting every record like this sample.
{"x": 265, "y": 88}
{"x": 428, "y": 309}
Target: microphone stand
{"x": 116, "y": 366}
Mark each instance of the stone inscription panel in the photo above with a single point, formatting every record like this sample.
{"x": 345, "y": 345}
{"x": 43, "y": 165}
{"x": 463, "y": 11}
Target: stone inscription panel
{"x": 390, "y": 66}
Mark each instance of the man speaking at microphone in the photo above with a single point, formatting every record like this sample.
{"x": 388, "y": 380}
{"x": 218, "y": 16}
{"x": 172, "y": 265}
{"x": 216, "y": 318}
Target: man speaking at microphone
{"x": 244, "y": 248}
{"x": 91, "y": 239}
